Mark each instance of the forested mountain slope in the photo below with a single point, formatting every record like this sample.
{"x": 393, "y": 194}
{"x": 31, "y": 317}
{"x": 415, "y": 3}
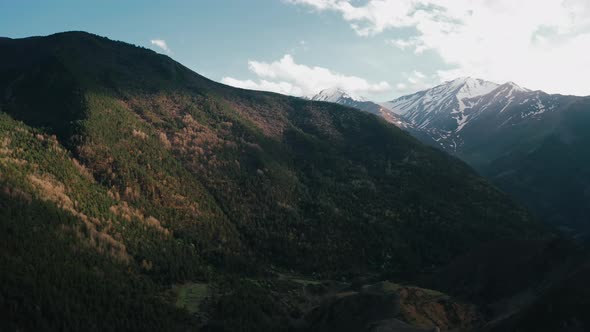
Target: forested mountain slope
{"x": 123, "y": 172}
{"x": 530, "y": 143}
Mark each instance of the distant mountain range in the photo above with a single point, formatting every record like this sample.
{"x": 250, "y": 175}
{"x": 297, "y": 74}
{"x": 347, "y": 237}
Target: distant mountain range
{"x": 340, "y": 96}
{"x": 459, "y": 112}
{"x": 532, "y": 144}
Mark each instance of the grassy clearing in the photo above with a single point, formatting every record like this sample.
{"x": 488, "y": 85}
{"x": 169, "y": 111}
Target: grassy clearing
{"x": 299, "y": 279}
{"x": 189, "y": 296}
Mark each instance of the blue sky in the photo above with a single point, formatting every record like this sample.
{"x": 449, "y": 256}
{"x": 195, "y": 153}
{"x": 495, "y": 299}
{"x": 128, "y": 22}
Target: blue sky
{"x": 376, "y": 48}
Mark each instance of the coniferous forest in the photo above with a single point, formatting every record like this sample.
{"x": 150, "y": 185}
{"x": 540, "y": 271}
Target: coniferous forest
{"x": 138, "y": 195}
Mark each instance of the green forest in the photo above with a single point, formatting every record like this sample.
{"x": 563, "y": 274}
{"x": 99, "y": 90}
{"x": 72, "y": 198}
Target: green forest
{"x": 124, "y": 175}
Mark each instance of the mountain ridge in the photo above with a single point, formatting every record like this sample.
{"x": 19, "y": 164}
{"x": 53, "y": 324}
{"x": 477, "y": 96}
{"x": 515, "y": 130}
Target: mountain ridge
{"x": 342, "y": 97}
{"x": 514, "y": 136}
{"x": 445, "y": 110}
{"x": 120, "y": 164}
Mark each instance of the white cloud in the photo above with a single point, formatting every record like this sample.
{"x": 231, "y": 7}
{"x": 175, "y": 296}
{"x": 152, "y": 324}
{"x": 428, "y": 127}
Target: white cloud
{"x": 411, "y": 43}
{"x": 415, "y": 81}
{"x": 264, "y": 85}
{"x": 288, "y": 77}
{"x": 539, "y": 44}
{"x": 161, "y": 44}
{"x": 401, "y": 86}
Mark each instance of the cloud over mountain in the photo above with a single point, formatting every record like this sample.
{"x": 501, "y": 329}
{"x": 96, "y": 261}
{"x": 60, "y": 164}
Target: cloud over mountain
{"x": 160, "y": 43}
{"x": 525, "y": 41}
{"x": 288, "y": 77}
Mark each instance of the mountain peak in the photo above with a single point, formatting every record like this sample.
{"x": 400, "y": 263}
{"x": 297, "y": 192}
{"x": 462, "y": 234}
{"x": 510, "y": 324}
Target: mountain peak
{"x": 464, "y": 79}
{"x": 335, "y": 94}
{"x": 438, "y": 98}
{"x": 468, "y": 87}
{"x": 340, "y": 96}
{"x": 472, "y": 87}
{"x": 515, "y": 87}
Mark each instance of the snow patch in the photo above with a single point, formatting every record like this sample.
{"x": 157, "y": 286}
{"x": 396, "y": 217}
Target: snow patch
{"x": 507, "y": 104}
{"x": 334, "y": 95}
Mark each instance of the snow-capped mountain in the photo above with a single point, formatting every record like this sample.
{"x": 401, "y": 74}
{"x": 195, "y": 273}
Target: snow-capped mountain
{"x": 452, "y": 112}
{"x": 442, "y": 98}
{"x": 531, "y": 144}
{"x": 339, "y": 96}
{"x": 336, "y": 95}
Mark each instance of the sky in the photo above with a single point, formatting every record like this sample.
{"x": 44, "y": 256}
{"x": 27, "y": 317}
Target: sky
{"x": 379, "y": 49}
